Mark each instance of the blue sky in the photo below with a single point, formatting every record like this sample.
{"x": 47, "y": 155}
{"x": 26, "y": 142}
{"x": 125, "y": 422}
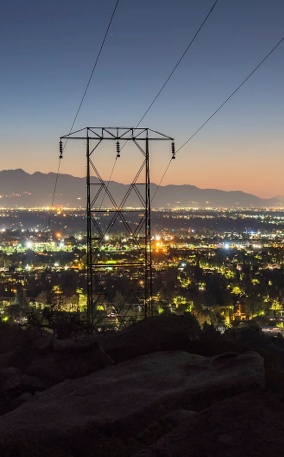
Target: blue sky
{"x": 48, "y": 50}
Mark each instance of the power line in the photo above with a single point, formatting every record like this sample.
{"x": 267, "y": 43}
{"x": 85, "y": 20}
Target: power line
{"x": 178, "y": 63}
{"x": 161, "y": 180}
{"x": 220, "y": 107}
{"x": 108, "y": 183}
{"x": 53, "y": 194}
{"x": 230, "y": 96}
{"x": 176, "y": 66}
{"x": 82, "y": 100}
{"x": 94, "y": 67}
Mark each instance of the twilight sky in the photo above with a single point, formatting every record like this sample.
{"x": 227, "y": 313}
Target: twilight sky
{"x": 48, "y": 49}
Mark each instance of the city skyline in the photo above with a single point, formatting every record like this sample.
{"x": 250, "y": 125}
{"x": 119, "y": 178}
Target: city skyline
{"x": 49, "y": 50}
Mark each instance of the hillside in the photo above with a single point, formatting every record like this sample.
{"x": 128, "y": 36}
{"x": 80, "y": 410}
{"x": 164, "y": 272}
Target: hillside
{"x": 161, "y": 387}
{"x": 21, "y": 189}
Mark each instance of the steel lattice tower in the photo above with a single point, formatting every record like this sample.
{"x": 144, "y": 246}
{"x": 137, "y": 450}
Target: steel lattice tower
{"x": 136, "y": 222}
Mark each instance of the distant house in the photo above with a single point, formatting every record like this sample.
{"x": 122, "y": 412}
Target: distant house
{"x": 239, "y": 313}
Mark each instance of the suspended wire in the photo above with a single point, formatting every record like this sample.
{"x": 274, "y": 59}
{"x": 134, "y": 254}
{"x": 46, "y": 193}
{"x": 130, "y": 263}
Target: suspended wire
{"x": 178, "y": 63}
{"x": 118, "y": 150}
{"x": 170, "y": 76}
{"x": 176, "y": 66}
{"x": 168, "y": 79}
{"x": 232, "y": 94}
{"x": 54, "y": 193}
{"x": 221, "y": 106}
{"x": 94, "y": 67}
{"x": 108, "y": 183}
{"x": 162, "y": 178}
{"x": 82, "y": 100}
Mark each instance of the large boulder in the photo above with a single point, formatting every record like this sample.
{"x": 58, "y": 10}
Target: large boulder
{"x": 248, "y": 425}
{"x": 10, "y": 378}
{"x": 121, "y": 400}
{"x": 10, "y": 384}
{"x": 46, "y": 361}
{"x": 12, "y": 337}
{"x": 167, "y": 332}
{"x": 251, "y": 338}
{"x": 57, "y": 360}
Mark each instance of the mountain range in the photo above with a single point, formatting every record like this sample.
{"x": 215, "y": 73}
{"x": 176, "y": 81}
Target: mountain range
{"x": 21, "y": 189}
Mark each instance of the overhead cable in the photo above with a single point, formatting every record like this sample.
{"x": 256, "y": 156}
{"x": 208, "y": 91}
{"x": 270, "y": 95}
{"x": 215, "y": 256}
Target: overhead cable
{"x": 54, "y": 193}
{"x": 232, "y": 94}
{"x": 224, "y": 103}
{"x": 94, "y": 68}
{"x": 82, "y": 100}
{"x": 178, "y": 62}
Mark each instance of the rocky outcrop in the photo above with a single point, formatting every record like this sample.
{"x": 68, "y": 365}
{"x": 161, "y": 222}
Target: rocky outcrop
{"x": 57, "y": 360}
{"x": 161, "y": 333}
{"x": 120, "y": 401}
{"x": 39, "y": 364}
{"x": 247, "y": 425}
{"x": 153, "y": 400}
{"x": 10, "y": 378}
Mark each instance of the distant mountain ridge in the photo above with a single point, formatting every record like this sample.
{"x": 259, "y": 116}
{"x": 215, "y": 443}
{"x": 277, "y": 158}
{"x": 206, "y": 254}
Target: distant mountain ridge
{"x": 21, "y": 189}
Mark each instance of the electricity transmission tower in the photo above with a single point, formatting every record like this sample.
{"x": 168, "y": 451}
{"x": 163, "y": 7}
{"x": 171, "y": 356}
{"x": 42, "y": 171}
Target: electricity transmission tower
{"x": 118, "y": 224}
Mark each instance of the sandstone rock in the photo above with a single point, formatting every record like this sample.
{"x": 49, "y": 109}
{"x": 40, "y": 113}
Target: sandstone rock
{"x": 67, "y": 360}
{"x": 11, "y": 337}
{"x": 7, "y": 358}
{"x": 161, "y": 333}
{"x": 19, "y": 357}
{"x": 34, "y": 384}
{"x": 178, "y": 416}
{"x": 18, "y": 401}
{"x": 10, "y": 378}
{"x": 44, "y": 344}
{"x": 248, "y": 425}
{"x": 122, "y": 399}
{"x": 10, "y": 385}
{"x": 76, "y": 344}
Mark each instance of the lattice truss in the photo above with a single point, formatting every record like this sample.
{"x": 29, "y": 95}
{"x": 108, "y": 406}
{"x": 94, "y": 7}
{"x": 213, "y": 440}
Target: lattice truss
{"x": 118, "y": 225}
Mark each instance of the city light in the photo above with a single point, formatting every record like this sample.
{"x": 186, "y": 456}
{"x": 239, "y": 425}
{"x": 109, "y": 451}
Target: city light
{"x": 189, "y": 265}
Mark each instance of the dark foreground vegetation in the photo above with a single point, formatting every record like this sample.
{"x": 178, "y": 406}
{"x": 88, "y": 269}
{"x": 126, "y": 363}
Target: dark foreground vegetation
{"x": 162, "y": 387}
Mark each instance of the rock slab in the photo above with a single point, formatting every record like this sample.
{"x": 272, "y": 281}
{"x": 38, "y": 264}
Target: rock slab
{"x": 248, "y": 425}
{"x": 120, "y": 400}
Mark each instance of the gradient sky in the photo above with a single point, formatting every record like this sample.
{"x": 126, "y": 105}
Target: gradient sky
{"x": 48, "y": 49}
